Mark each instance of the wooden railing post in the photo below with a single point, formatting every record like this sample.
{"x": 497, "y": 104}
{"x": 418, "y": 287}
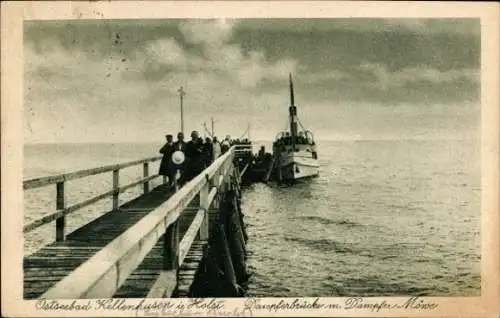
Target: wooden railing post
{"x": 116, "y": 188}
{"x": 60, "y": 205}
{"x": 204, "y": 192}
{"x": 237, "y": 171}
{"x": 171, "y": 247}
{"x": 215, "y": 178}
{"x": 229, "y": 173}
{"x": 145, "y": 173}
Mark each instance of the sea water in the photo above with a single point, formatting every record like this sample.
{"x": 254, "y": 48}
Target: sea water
{"x": 393, "y": 217}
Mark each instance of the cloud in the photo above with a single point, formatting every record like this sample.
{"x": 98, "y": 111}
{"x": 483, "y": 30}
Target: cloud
{"x": 124, "y": 91}
{"x": 379, "y": 73}
{"x": 467, "y": 26}
{"x": 215, "y": 54}
{"x": 384, "y": 79}
{"x": 435, "y": 76}
{"x": 207, "y": 32}
{"x": 168, "y": 52}
{"x": 82, "y": 84}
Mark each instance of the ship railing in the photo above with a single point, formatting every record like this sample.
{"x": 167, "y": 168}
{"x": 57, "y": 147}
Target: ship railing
{"x": 243, "y": 149}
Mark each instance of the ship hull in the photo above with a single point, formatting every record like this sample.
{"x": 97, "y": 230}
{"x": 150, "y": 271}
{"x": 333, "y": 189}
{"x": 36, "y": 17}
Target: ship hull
{"x": 295, "y": 166}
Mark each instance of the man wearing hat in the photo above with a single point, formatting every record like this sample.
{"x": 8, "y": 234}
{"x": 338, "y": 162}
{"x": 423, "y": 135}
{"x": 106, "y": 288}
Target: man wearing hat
{"x": 194, "y": 154}
{"x": 177, "y": 163}
{"x": 180, "y": 144}
{"x": 166, "y": 151}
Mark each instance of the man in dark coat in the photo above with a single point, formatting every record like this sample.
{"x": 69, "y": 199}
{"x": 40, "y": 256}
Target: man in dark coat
{"x": 194, "y": 154}
{"x": 165, "y": 167}
{"x": 180, "y": 145}
{"x": 208, "y": 151}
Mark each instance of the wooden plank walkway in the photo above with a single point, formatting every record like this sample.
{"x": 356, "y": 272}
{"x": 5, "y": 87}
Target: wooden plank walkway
{"x": 188, "y": 269}
{"x": 52, "y": 263}
{"x": 140, "y": 282}
{"x": 130, "y": 257}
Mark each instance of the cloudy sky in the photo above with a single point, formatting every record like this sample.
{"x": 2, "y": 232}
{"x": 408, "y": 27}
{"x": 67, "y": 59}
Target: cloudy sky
{"x": 117, "y": 81}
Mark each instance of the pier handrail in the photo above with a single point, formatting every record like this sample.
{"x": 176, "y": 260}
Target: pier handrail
{"x": 48, "y": 180}
{"x": 105, "y": 271}
{"x": 59, "y": 180}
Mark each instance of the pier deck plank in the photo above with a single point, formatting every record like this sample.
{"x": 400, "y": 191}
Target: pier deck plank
{"x": 188, "y": 269}
{"x": 44, "y": 268}
{"x": 137, "y": 285}
{"x": 49, "y": 265}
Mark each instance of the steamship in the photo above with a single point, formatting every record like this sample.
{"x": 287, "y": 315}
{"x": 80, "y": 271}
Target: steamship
{"x": 294, "y": 150}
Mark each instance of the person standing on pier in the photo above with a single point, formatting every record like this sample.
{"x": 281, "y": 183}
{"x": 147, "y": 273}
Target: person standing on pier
{"x": 194, "y": 154}
{"x": 208, "y": 151}
{"x": 226, "y": 144}
{"x": 166, "y": 168}
{"x": 216, "y": 148}
{"x": 180, "y": 145}
{"x": 262, "y": 153}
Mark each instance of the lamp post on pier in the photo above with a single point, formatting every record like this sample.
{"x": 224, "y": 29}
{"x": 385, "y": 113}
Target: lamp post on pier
{"x": 181, "y": 95}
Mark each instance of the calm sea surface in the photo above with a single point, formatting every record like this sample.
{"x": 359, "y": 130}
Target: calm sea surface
{"x": 384, "y": 217}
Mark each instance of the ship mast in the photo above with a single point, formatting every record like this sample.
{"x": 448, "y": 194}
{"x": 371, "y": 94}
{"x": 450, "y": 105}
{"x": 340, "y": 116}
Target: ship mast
{"x": 213, "y": 132}
{"x": 292, "y": 110}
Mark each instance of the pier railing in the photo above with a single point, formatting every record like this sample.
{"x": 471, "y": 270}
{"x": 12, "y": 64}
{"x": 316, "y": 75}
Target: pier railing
{"x": 107, "y": 270}
{"x": 243, "y": 149}
{"x": 59, "y": 181}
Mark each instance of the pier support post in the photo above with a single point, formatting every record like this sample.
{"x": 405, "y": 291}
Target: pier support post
{"x": 223, "y": 271}
{"x": 116, "y": 188}
{"x": 220, "y": 252}
{"x": 235, "y": 236}
{"x": 171, "y": 247}
{"x": 145, "y": 173}
{"x": 60, "y": 205}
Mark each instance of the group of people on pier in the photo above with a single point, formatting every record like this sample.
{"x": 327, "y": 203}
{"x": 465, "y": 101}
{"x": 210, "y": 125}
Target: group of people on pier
{"x": 198, "y": 154}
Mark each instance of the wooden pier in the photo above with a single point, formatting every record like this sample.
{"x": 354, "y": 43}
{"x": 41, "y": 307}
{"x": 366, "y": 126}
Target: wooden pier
{"x": 160, "y": 244}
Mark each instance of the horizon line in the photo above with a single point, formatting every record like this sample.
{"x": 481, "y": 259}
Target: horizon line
{"x": 254, "y": 140}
